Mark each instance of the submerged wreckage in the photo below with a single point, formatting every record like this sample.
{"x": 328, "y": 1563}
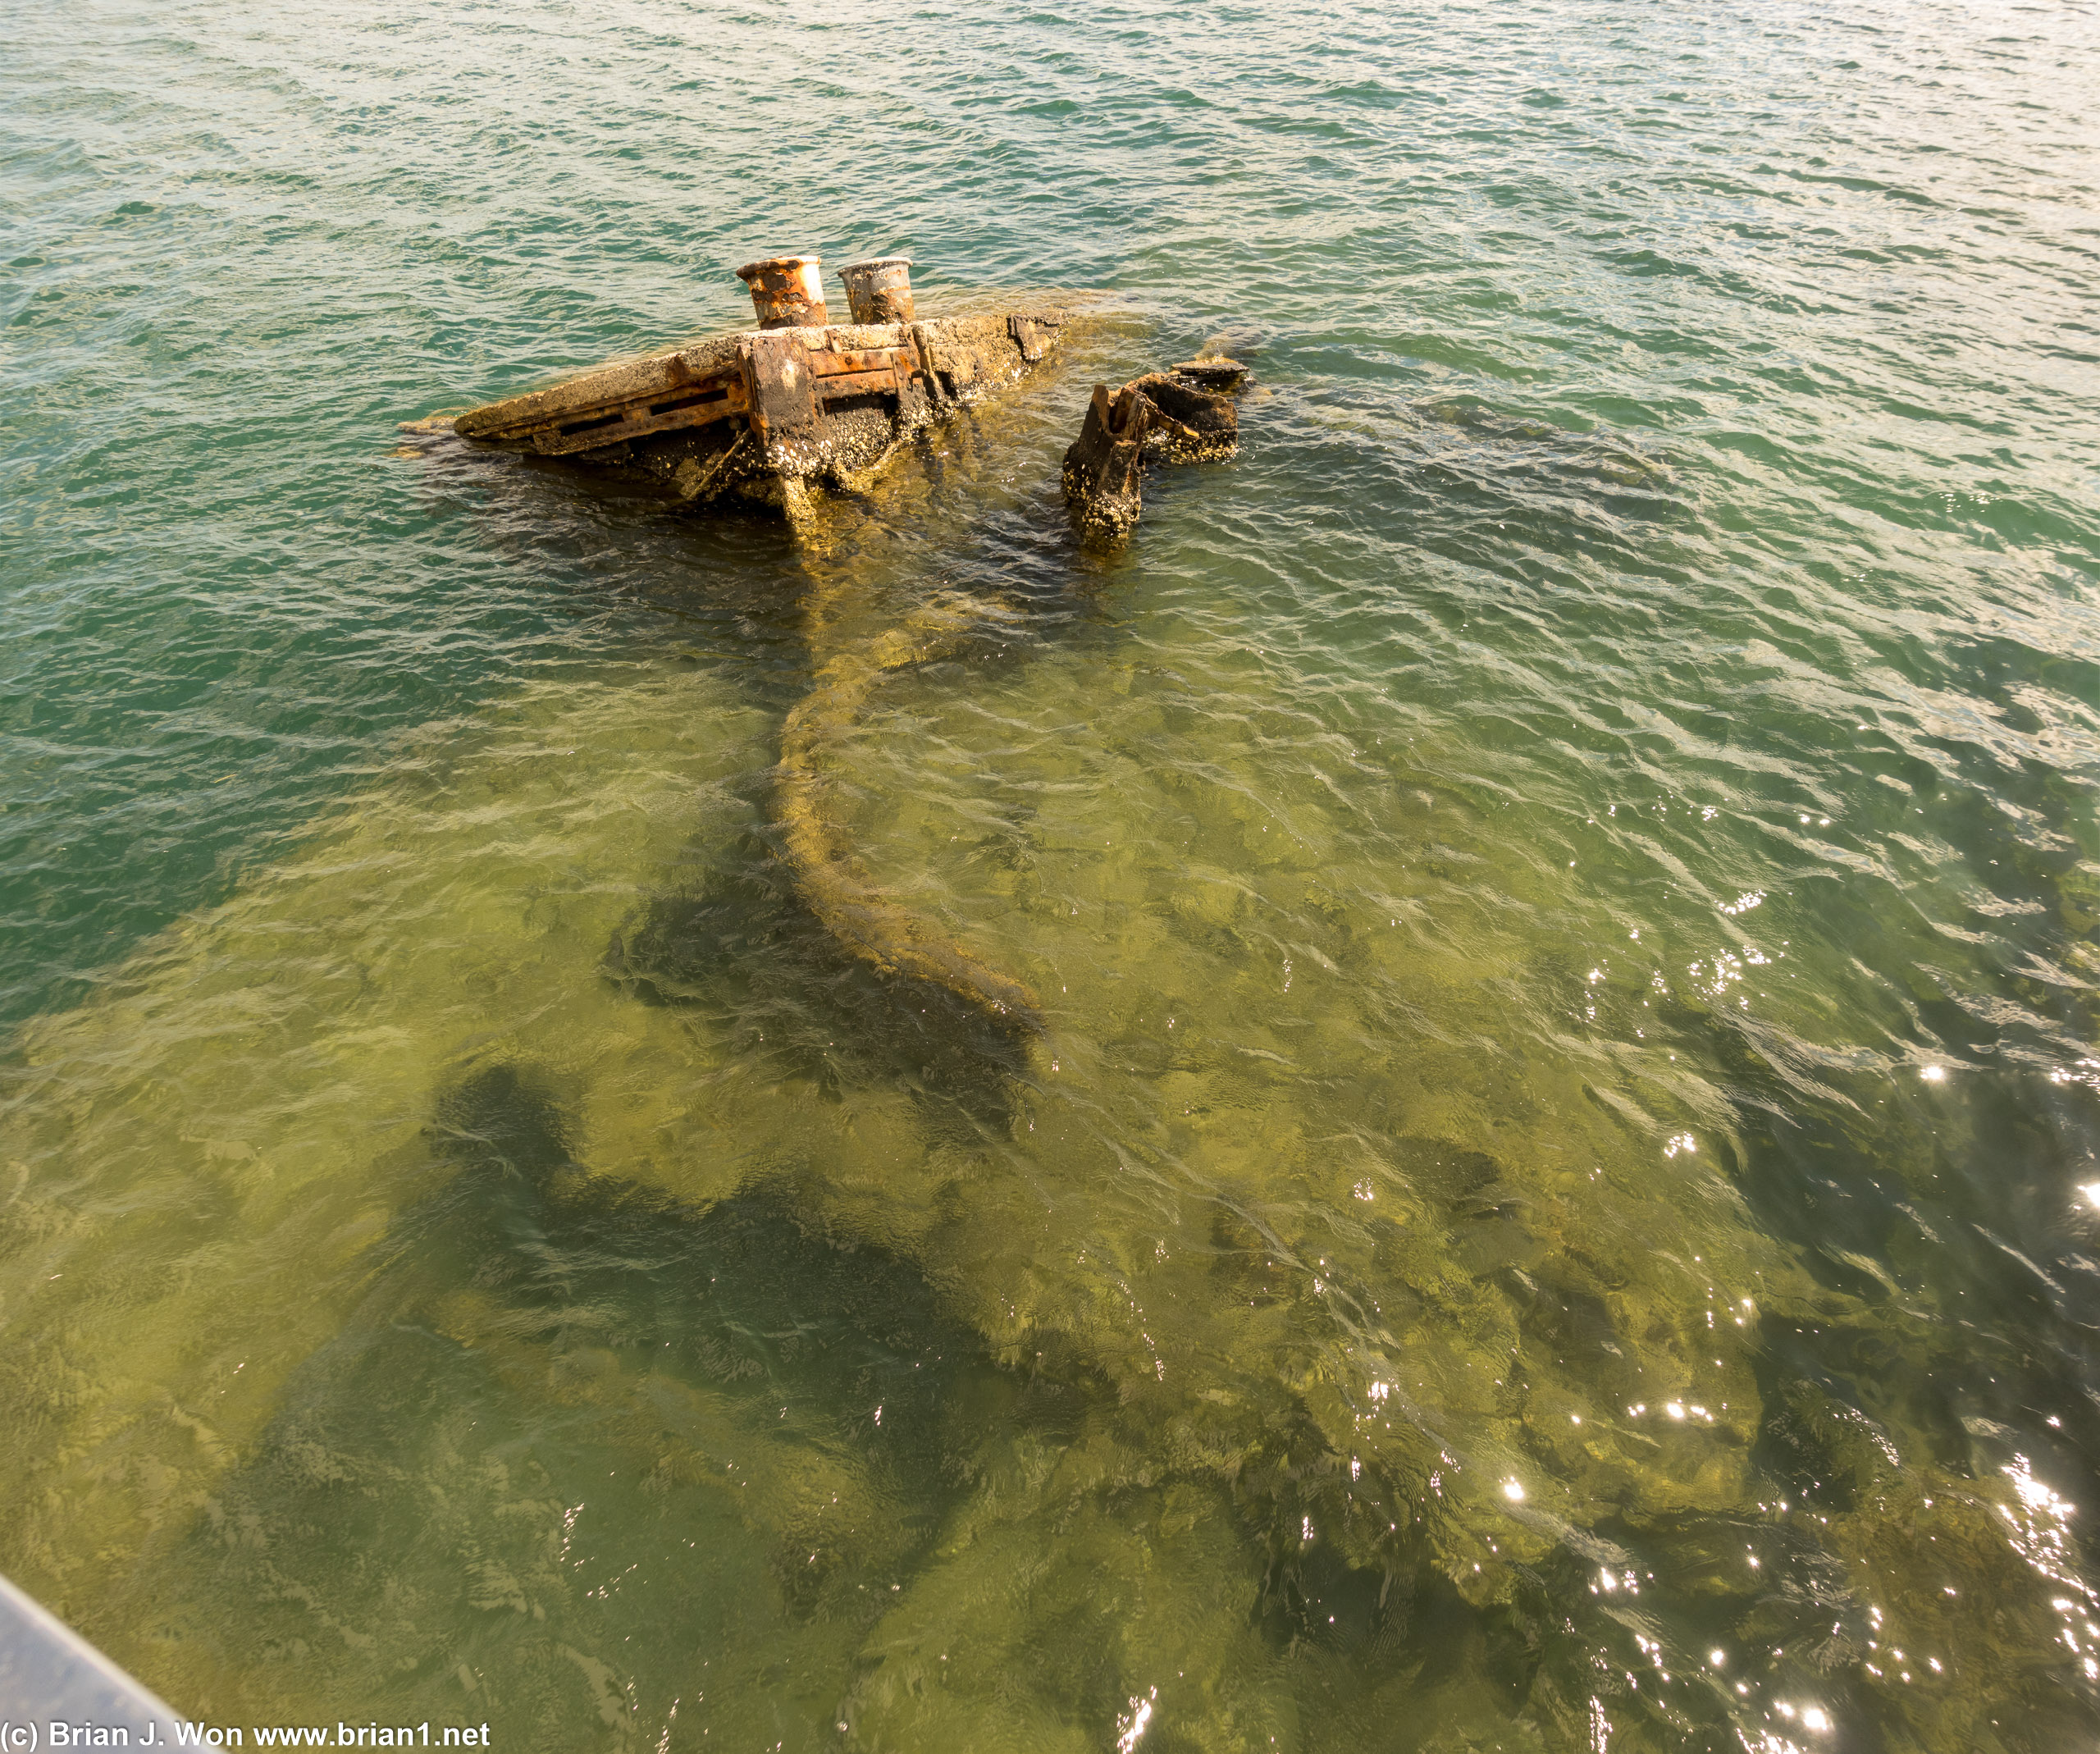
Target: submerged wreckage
{"x": 762, "y": 415}
{"x": 758, "y": 415}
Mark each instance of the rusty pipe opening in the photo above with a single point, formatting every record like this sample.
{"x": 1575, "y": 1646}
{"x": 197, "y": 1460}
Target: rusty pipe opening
{"x": 879, "y": 290}
{"x": 786, "y": 291}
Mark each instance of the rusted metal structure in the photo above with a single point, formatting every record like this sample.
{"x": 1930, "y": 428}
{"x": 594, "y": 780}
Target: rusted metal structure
{"x": 1185, "y": 414}
{"x": 759, "y": 414}
{"x": 763, "y": 414}
{"x": 879, "y": 290}
{"x": 787, "y": 291}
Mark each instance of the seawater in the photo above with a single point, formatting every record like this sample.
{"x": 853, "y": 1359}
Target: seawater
{"x": 1555, "y": 1204}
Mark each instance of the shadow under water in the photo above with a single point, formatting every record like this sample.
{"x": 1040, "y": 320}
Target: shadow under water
{"x": 750, "y": 954}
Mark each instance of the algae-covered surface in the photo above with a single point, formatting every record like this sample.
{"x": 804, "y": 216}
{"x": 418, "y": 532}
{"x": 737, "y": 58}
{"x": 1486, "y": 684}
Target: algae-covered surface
{"x": 1447, "y": 1104}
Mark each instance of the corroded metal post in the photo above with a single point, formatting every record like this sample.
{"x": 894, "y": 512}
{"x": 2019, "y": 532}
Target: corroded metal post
{"x": 1185, "y": 415}
{"x": 787, "y": 291}
{"x": 879, "y": 290}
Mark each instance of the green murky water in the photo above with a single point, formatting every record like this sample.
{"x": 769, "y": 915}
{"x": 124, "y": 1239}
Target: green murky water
{"x": 1552, "y": 1208}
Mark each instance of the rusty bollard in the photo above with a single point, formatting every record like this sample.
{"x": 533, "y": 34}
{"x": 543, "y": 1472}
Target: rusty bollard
{"x": 879, "y": 290}
{"x": 787, "y": 291}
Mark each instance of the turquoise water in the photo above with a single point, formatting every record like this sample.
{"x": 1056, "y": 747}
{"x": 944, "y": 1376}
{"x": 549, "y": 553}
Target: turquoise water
{"x": 1556, "y": 1207}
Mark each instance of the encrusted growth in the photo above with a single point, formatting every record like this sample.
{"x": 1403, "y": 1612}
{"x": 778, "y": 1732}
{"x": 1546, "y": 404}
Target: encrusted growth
{"x": 1183, "y": 415}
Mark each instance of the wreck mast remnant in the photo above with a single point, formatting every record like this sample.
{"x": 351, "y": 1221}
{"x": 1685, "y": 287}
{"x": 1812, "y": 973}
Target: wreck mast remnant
{"x": 1185, "y": 414}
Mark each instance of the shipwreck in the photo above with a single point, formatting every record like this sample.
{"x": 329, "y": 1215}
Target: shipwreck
{"x": 762, "y": 415}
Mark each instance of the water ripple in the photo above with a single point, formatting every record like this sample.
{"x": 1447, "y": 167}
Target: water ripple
{"x": 1561, "y": 883}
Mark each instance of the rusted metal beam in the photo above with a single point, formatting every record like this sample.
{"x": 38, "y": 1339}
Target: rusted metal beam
{"x": 785, "y": 413}
{"x": 878, "y": 381}
{"x": 828, "y": 362}
{"x": 721, "y": 400}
